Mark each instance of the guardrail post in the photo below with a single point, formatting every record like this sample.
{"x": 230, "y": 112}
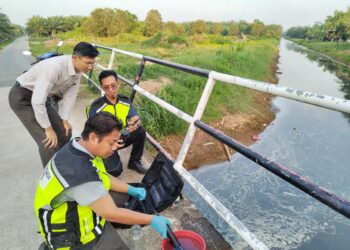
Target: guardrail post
{"x": 197, "y": 116}
{"x": 137, "y": 78}
{"x": 111, "y": 59}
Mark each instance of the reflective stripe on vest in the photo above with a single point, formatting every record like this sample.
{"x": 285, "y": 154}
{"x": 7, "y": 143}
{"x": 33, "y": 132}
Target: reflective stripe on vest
{"x": 69, "y": 222}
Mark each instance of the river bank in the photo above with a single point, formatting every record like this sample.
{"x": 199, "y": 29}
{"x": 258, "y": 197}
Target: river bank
{"x": 338, "y": 51}
{"x": 244, "y": 127}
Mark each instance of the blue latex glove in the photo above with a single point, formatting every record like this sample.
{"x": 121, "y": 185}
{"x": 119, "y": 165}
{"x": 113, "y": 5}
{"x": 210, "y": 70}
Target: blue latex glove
{"x": 159, "y": 224}
{"x": 138, "y": 193}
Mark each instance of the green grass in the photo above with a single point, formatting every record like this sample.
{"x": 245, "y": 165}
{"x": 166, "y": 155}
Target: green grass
{"x": 252, "y": 59}
{"x": 3, "y": 44}
{"x": 339, "y": 51}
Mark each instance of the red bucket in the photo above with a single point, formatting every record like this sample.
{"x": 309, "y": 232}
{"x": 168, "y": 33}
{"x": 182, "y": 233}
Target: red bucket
{"x": 189, "y": 240}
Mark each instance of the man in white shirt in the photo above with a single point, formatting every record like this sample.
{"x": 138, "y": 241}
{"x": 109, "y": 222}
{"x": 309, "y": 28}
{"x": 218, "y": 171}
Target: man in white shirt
{"x": 34, "y": 98}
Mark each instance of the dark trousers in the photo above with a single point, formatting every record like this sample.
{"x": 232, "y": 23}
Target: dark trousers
{"x": 20, "y": 102}
{"x": 137, "y": 139}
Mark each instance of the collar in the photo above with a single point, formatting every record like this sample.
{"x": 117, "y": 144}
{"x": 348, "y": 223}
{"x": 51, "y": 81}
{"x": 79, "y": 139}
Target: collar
{"x": 77, "y": 146}
{"x": 71, "y": 70}
{"x": 105, "y": 99}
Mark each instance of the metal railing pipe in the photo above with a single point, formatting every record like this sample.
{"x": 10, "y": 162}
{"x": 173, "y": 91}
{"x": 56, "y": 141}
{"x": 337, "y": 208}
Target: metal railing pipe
{"x": 182, "y": 67}
{"x": 324, "y": 101}
{"x": 179, "y": 113}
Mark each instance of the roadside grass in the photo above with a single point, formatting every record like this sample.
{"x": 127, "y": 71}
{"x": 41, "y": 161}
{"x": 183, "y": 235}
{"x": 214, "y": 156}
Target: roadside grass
{"x": 251, "y": 59}
{"x": 3, "y": 44}
{"x": 340, "y": 51}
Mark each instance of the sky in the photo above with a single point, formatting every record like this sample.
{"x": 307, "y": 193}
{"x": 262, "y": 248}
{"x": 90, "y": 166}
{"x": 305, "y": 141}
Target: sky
{"x": 287, "y": 13}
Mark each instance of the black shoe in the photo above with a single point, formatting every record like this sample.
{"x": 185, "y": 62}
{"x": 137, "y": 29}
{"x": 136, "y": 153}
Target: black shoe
{"x": 137, "y": 166}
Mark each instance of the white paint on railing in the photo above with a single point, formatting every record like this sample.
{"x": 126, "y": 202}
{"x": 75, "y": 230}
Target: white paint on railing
{"x": 128, "y": 53}
{"x": 111, "y": 60}
{"x": 197, "y": 116}
{"x": 324, "y": 101}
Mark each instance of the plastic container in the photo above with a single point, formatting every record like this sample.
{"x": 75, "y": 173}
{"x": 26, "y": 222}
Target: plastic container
{"x": 136, "y": 238}
{"x": 189, "y": 240}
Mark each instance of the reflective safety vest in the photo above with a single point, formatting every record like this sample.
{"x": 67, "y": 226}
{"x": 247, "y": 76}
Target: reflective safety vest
{"x": 120, "y": 110}
{"x": 68, "y": 224}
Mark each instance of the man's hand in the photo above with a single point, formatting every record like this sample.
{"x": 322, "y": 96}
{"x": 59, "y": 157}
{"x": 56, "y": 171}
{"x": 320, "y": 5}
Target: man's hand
{"x": 134, "y": 123}
{"x": 159, "y": 224}
{"x": 138, "y": 193}
{"x": 51, "y": 138}
{"x": 67, "y": 126}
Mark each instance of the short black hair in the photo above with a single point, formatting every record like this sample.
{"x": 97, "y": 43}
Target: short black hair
{"x": 107, "y": 73}
{"x": 85, "y": 49}
{"x": 102, "y": 124}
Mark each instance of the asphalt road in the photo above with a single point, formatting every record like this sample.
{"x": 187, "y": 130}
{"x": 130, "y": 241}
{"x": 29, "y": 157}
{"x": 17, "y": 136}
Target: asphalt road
{"x": 20, "y": 164}
{"x": 13, "y": 62}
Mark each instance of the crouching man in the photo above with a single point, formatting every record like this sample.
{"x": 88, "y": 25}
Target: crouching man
{"x": 76, "y": 198}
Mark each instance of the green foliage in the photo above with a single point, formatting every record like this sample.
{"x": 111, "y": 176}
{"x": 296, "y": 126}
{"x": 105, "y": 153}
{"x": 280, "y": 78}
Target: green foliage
{"x": 175, "y": 28}
{"x": 250, "y": 60}
{"x": 155, "y": 41}
{"x": 198, "y": 27}
{"x": 316, "y": 32}
{"x": 153, "y": 23}
{"x": 337, "y": 50}
{"x": 233, "y": 29}
{"x": 334, "y": 28}
{"x": 7, "y": 29}
{"x": 216, "y": 28}
{"x": 257, "y": 28}
{"x": 177, "y": 39}
{"x": 39, "y": 26}
{"x": 297, "y": 32}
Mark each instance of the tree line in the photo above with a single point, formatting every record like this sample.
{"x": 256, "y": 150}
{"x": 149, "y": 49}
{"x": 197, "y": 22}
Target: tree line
{"x": 334, "y": 28}
{"x": 107, "y": 22}
{"x": 8, "y": 30}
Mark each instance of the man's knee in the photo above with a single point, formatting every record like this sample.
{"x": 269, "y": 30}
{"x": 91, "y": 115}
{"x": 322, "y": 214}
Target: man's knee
{"x": 140, "y": 132}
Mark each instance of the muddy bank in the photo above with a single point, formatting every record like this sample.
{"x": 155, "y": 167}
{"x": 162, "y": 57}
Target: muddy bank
{"x": 239, "y": 126}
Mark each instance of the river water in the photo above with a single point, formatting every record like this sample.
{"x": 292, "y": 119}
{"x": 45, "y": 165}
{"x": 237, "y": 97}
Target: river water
{"x": 312, "y": 141}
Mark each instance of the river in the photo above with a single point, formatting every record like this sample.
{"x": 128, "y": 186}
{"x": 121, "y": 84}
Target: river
{"x": 312, "y": 141}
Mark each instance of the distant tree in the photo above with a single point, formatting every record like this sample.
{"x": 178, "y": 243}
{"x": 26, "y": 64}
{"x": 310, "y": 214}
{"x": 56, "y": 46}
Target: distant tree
{"x": 297, "y": 32}
{"x": 36, "y": 26}
{"x": 244, "y": 27}
{"x": 233, "y": 29}
{"x": 198, "y": 27}
{"x": 6, "y": 28}
{"x": 54, "y": 24}
{"x": 175, "y": 28}
{"x": 217, "y": 28}
{"x": 273, "y": 30}
{"x": 125, "y": 22}
{"x": 337, "y": 27}
{"x": 153, "y": 23}
{"x": 72, "y": 22}
{"x": 316, "y": 32}
{"x": 257, "y": 28}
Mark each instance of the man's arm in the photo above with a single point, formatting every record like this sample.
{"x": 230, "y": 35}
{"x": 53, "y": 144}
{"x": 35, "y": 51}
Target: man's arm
{"x": 68, "y": 101}
{"x": 106, "y": 208}
{"x": 41, "y": 90}
{"x": 118, "y": 185}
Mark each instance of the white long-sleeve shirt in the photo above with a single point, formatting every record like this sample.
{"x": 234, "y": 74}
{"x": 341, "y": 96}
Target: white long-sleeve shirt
{"x": 53, "y": 76}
